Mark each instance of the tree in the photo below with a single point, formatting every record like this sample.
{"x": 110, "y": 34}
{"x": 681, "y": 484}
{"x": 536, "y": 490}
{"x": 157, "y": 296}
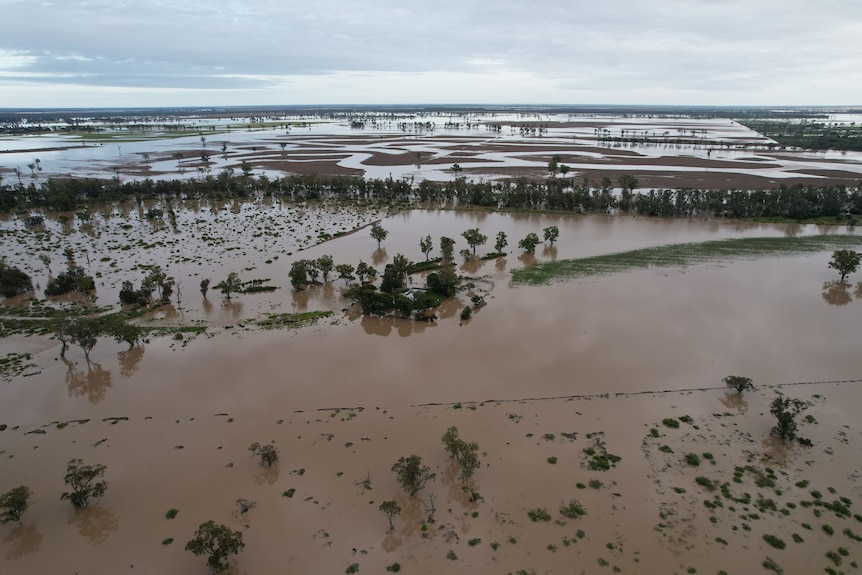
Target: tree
{"x": 551, "y": 234}
{"x": 46, "y": 261}
{"x": 312, "y": 270}
{"x": 845, "y": 261}
{"x": 474, "y": 238}
{"x": 378, "y": 233}
{"x": 13, "y": 281}
{"x": 325, "y": 265}
{"x": 529, "y": 243}
{"x": 14, "y": 503}
{"x": 411, "y": 474}
{"x": 554, "y": 164}
{"x": 447, "y": 248}
{"x": 216, "y": 541}
{"x": 465, "y": 454}
{"x": 426, "y": 245}
{"x": 390, "y": 509}
{"x": 205, "y": 286}
{"x": 299, "y": 274}
{"x": 785, "y": 411}
{"x": 738, "y": 383}
{"x": 84, "y": 333}
{"x": 73, "y": 279}
{"x": 345, "y": 272}
{"x": 501, "y": 242}
{"x": 268, "y": 453}
{"x": 124, "y": 332}
{"x": 363, "y": 271}
{"x": 86, "y": 482}
{"x": 231, "y": 285}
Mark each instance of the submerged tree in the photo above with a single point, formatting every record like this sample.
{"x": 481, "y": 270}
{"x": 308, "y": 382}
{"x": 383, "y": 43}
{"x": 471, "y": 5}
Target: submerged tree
{"x": 411, "y": 474}
{"x": 298, "y": 274}
{"x": 13, "y": 281}
{"x": 378, "y": 233}
{"x": 845, "y": 261}
{"x": 325, "y": 264}
{"x": 268, "y": 454}
{"x": 14, "y": 503}
{"x": 390, "y": 509}
{"x": 218, "y": 542}
{"x": 86, "y": 482}
{"x": 447, "y": 248}
{"x": 529, "y": 243}
{"x": 465, "y": 454}
{"x": 501, "y": 242}
{"x": 785, "y": 411}
{"x": 345, "y": 272}
{"x": 230, "y": 285}
{"x": 551, "y": 234}
{"x": 426, "y": 244}
{"x": 738, "y": 383}
{"x": 363, "y": 271}
{"x": 474, "y": 238}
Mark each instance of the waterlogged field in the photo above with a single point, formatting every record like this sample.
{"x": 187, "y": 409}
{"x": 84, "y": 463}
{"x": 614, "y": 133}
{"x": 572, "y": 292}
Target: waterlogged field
{"x": 666, "y": 151}
{"x": 606, "y": 437}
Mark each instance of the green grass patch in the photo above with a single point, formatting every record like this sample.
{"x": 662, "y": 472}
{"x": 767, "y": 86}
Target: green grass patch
{"x": 292, "y": 320}
{"x": 679, "y": 255}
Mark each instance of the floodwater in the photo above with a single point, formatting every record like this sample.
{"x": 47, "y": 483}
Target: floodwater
{"x": 404, "y": 149}
{"x": 595, "y": 344}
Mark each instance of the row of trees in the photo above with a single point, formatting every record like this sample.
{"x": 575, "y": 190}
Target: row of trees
{"x": 798, "y": 201}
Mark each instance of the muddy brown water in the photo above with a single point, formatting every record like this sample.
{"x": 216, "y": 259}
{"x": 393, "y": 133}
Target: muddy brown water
{"x": 620, "y": 335}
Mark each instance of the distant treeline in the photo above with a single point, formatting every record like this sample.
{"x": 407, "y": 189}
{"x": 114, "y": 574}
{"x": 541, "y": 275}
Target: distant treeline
{"x": 810, "y": 135}
{"x": 799, "y": 202}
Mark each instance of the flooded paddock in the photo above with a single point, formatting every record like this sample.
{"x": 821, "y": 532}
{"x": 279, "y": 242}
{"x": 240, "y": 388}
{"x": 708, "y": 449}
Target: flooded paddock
{"x": 539, "y": 373}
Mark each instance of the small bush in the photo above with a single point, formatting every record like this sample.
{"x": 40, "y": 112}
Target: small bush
{"x": 352, "y": 568}
{"x": 171, "y": 513}
{"x": 692, "y": 459}
{"x": 552, "y": 460}
{"x": 289, "y": 493}
{"x": 167, "y": 541}
{"x": 774, "y": 541}
{"x": 665, "y": 449}
{"x": 572, "y": 510}
{"x": 394, "y": 568}
{"x": 451, "y": 556}
{"x": 828, "y": 529}
{"x": 537, "y": 515}
{"x": 474, "y": 542}
{"x": 670, "y": 422}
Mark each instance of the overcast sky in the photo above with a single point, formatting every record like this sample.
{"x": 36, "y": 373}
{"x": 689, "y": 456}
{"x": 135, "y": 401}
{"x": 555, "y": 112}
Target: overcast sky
{"x": 115, "y": 53}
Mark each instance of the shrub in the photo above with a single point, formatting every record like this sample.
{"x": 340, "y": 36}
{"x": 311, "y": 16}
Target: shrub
{"x": 573, "y": 509}
{"x": 538, "y": 514}
{"x": 692, "y": 459}
{"x": 670, "y": 422}
{"x": 774, "y": 541}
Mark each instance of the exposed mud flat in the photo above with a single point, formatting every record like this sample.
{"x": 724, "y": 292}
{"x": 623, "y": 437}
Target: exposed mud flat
{"x": 703, "y": 153}
{"x": 609, "y": 356}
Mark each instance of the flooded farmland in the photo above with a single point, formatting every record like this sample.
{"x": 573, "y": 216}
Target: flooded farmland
{"x": 539, "y": 374}
{"x": 607, "y": 440}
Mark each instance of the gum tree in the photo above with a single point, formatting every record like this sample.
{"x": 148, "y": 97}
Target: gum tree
{"x": 529, "y": 243}
{"x": 218, "y": 542}
{"x": 738, "y": 383}
{"x": 390, "y": 509}
{"x": 14, "y": 503}
{"x": 845, "y": 261}
{"x": 551, "y": 234}
{"x": 378, "y": 233}
{"x": 411, "y": 474}
{"x": 474, "y": 238}
{"x": 268, "y": 454}
{"x": 785, "y": 411}
{"x": 501, "y": 242}
{"x": 86, "y": 482}
{"x": 426, "y": 244}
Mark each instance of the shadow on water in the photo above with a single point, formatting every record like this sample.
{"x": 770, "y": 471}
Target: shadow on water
{"x": 95, "y": 523}
{"x": 130, "y": 359}
{"x": 24, "y": 540}
{"x": 378, "y": 256}
{"x": 550, "y": 252}
{"x": 734, "y": 401}
{"x": 267, "y": 475}
{"x": 837, "y": 293}
{"x": 93, "y": 384}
